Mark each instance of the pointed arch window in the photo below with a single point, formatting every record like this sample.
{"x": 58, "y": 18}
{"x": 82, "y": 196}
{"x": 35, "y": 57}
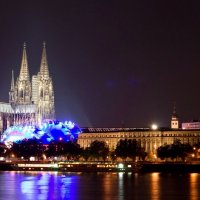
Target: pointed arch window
{"x": 21, "y": 93}
{"x": 41, "y": 93}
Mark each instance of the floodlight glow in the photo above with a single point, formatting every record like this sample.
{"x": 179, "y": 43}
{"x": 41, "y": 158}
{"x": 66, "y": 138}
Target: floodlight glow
{"x": 154, "y": 127}
{"x": 120, "y": 165}
{"x": 51, "y": 131}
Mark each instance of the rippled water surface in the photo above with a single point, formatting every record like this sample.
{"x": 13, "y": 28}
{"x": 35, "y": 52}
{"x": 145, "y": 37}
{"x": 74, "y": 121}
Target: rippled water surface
{"x": 95, "y": 186}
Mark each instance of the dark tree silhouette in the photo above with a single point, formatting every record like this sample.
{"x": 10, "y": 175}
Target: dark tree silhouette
{"x": 128, "y": 148}
{"x": 70, "y": 149}
{"x": 2, "y": 149}
{"x": 174, "y": 151}
{"x": 99, "y": 149}
{"x": 113, "y": 155}
{"x": 27, "y": 148}
{"x": 86, "y": 153}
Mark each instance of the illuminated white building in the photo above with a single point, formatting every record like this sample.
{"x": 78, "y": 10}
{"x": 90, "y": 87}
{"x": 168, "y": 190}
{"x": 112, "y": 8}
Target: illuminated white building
{"x": 191, "y": 125}
{"x": 149, "y": 139}
{"x": 29, "y": 102}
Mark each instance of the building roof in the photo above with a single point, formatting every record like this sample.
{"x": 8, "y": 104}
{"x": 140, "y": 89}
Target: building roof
{"x": 5, "y": 107}
{"x": 28, "y": 108}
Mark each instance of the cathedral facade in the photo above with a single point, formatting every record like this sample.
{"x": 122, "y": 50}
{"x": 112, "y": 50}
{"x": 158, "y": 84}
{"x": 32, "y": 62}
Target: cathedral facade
{"x": 31, "y": 99}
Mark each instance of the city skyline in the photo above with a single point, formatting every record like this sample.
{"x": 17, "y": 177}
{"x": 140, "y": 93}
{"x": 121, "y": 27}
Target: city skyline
{"x": 113, "y": 64}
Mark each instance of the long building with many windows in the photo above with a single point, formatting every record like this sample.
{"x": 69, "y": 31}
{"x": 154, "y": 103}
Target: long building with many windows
{"x": 149, "y": 139}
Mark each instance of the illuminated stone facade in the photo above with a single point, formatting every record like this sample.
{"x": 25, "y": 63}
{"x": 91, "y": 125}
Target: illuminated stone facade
{"x": 149, "y": 139}
{"x": 191, "y": 125}
{"x": 30, "y": 101}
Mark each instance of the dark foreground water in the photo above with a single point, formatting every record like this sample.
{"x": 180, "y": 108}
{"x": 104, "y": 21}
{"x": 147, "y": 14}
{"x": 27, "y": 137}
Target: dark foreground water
{"x": 95, "y": 186}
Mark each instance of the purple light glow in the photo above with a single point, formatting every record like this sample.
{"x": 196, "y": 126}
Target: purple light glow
{"x": 48, "y": 131}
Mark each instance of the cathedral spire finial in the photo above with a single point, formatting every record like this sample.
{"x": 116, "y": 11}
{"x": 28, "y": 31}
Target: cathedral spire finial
{"x": 24, "y": 71}
{"x": 174, "y": 114}
{"x": 174, "y": 109}
{"x": 44, "y": 71}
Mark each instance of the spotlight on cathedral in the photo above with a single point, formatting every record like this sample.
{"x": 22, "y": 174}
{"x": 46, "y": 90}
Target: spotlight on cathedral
{"x": 31, "y": 98}
{"x": 46, "y": 132}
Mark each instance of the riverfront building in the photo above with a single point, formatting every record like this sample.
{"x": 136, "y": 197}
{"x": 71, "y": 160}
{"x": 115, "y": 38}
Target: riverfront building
{"x": 149, "y": 139}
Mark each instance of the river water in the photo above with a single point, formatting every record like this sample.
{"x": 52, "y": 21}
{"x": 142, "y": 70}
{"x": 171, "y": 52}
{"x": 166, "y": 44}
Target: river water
{"x": 96, "y": 186}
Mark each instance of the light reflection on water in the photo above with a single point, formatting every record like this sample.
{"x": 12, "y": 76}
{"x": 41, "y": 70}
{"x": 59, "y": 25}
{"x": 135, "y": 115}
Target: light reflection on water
{"x": 95, "y": 186}
{"x": 48, "y": 186}
{"x": 155, "y": 186}
{"x": 194, "y": 182}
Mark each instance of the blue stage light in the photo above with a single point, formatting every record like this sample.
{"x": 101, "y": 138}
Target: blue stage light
{"x": 48, "y": 131}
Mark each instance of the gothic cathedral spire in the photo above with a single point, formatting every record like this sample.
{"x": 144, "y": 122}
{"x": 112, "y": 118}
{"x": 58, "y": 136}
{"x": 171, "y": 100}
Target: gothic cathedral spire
{"x": 45, "y": 102}
{"x": 24, "y": 71}
{"x": 44, "y": 71}
{"x": 23, "y": 84}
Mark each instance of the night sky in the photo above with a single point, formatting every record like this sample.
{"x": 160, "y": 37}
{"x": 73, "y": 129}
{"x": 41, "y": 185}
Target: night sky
{"x": 113, "y": 63}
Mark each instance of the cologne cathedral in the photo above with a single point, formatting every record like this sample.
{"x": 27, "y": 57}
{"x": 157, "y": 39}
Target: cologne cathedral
{"x": 31, "y": 99}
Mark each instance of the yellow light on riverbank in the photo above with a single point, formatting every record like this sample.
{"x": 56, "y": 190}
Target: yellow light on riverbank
{"x": 120, "y": 165}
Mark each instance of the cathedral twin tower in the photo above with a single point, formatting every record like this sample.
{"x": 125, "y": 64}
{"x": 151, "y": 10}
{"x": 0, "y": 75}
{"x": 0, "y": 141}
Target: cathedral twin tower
{"x": 31, "y": 102}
